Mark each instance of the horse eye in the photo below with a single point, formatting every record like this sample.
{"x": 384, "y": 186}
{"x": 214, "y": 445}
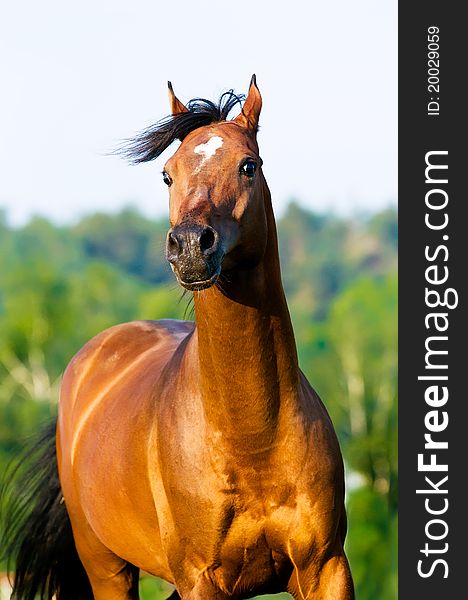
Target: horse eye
{"x": 249, "y": 168}
{"x": 166, "y": 178}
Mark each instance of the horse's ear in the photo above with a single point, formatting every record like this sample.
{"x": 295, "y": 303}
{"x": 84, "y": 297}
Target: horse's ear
{"x": 252, "y": 107}
{"x": 176, "y": 105}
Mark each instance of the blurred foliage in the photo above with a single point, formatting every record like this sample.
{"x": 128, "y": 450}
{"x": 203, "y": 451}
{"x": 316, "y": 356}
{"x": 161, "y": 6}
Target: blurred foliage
{"x": 61, "y": 285}
{"x": 155, "y": 589}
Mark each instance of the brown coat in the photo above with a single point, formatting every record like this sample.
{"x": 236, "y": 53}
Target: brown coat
{"x": 199, "y": 452}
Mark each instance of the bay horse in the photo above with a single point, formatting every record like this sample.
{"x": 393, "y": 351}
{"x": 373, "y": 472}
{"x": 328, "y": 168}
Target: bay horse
{"x": 197, "y": 452}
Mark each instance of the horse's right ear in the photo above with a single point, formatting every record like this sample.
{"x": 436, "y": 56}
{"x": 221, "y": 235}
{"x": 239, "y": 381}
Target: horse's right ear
{"x": 176, "y": 105}
{"x": 252, "y": 107}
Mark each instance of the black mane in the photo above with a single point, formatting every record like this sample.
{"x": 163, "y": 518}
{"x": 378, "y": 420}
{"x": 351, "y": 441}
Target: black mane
{"x": 151, "y": 142}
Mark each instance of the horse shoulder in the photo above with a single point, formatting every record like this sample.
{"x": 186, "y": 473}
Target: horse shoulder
{"x": 319, "y": 486}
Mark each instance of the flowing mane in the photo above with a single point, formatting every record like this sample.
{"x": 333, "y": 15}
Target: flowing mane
{"x": 152, "y": 141}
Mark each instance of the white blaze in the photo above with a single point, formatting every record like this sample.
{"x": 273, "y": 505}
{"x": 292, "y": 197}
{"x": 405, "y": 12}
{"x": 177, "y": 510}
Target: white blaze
{"x": 208, "y": 150}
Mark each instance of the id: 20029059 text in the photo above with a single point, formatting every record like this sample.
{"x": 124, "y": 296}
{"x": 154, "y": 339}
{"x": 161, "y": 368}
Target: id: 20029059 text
{"x": 433, "y": 80}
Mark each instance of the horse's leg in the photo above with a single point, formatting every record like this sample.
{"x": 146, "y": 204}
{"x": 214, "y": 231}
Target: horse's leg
{"x": 111, "y": 577}
{"x": 118, "y": 584}
{"x": 331, "y": 581}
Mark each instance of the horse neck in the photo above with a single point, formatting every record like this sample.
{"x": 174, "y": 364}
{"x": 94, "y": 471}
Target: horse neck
{"x": 246, "y": 348}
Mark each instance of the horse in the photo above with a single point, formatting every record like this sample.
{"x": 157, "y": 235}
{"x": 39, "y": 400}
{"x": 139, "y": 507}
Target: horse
{"x": 194, "y": 451}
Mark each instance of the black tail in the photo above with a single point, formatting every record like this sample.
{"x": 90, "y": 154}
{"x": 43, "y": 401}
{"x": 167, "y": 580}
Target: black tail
{"x": 36, "y": 536}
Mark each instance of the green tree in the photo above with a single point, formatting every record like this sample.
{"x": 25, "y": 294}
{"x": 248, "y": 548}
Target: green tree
{"x": 127, "y": 240}
{"x": 363, "y": 334}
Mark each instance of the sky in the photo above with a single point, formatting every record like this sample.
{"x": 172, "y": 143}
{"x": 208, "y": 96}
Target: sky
{"x": 77, "y": 78}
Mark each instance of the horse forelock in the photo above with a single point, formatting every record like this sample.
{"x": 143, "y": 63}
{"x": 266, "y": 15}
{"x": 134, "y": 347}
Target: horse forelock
{"x": 152, "y": 141}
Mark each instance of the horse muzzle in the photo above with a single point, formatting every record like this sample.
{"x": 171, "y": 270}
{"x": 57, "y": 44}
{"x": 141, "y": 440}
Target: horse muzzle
{"x": 195, "y": 253}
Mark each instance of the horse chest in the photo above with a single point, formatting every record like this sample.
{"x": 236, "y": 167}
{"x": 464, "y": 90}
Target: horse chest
{"x": 251, "y": 511}
{"x": 244, "y": 500}
{"x": 251, "y": 552}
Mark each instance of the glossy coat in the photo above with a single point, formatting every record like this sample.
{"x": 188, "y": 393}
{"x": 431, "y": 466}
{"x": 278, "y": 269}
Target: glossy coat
{"x": 198, "y": 452}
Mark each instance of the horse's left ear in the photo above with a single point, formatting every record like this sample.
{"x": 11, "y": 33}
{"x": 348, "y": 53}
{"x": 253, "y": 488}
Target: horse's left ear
{"x": 176, "y": 105}
{"x": 252, "y": 107}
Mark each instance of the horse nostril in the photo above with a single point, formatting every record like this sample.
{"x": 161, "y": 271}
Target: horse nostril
{"x": 207, "y": 239}
{"x": 172, "y": 242}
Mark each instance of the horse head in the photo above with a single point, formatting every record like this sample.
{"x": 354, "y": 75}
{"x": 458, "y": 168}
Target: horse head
{"x": 216, "y": 203}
